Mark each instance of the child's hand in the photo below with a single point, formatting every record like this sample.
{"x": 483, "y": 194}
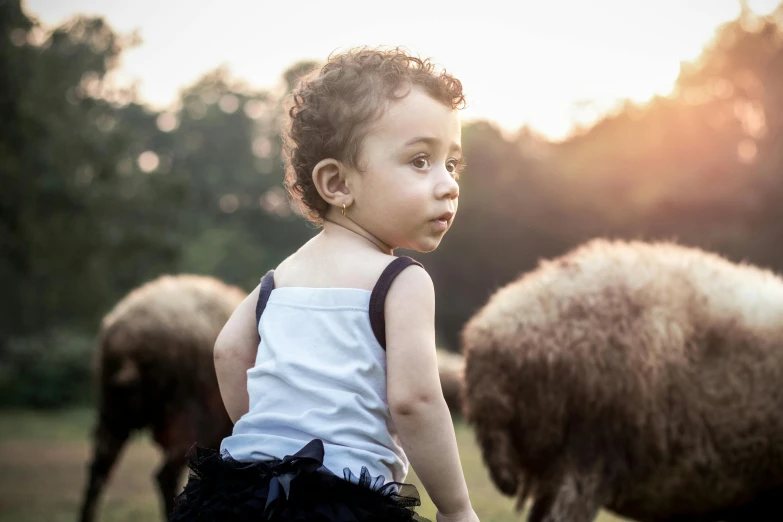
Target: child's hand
{"x": 464, "y": 516}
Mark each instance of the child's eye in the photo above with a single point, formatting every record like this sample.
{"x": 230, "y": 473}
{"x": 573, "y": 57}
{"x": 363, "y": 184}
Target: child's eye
{"x": 421, "y": 162}
{"x": 454, "y": 166}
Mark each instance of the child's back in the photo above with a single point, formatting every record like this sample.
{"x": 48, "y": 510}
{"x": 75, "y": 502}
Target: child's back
{"x": 320, "y": 369}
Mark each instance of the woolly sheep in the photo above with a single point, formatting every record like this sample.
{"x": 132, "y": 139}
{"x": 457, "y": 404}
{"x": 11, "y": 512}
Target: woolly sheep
{"x": 644, "y": 378}
{"x": 156, "y": 371}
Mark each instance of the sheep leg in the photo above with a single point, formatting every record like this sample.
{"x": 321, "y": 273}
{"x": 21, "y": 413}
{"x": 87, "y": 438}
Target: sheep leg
{"x": 576, "y": 499}
{"x": 108, "y": 444}
{"x": 501, "y": 459}
{"x": 175, "y": 436}
{"x": 168, "y": 478}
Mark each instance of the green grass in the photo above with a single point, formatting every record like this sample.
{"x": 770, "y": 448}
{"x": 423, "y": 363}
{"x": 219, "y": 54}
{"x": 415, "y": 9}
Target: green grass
{"x": 43, "y": 459}
{"x": 50, "y": 426}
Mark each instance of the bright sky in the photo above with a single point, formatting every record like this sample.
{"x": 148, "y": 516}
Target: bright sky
{"x": 548, "y": 64}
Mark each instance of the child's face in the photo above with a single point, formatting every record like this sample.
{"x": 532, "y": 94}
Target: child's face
{"x": 410, "y": 158}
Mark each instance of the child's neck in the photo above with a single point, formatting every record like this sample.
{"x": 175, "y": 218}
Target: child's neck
{"x": 347, "y": 229}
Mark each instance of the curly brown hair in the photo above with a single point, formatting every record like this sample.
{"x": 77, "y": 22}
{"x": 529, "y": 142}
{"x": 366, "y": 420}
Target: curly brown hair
{"x": 331, "y": 108}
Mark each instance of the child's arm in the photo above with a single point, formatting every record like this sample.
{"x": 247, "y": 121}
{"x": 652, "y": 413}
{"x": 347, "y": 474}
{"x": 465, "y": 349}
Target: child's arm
{"x": 415, "y": 397}
{"x": 235, "y": 353}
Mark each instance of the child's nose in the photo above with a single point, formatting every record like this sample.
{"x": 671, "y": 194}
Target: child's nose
{"x": 449, "y": 188}
{"x": 453, "y": 190}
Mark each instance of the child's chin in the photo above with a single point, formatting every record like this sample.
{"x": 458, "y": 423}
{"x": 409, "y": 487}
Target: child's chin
{"x": 427, "y": 246}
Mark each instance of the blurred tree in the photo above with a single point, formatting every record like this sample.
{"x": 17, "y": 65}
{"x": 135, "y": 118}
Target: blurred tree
{"x": 226, "y": 151}
{"x": 60, "y": 146}
{"x": 296, "y": 71}
{"x": 740, "y": 78}
{"x": 102, "y": 193}
{"x": 703, "y": 165}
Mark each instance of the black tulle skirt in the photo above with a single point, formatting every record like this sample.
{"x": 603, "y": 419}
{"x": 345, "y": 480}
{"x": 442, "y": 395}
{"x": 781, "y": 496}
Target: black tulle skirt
{"x": 296, "y": 488}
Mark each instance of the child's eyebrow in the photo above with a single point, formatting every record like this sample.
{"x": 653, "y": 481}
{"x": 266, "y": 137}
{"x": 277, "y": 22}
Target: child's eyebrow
{"x": 432, "y": 141}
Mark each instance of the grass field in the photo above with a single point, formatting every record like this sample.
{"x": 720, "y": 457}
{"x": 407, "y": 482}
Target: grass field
{"x": 43, "y": 459}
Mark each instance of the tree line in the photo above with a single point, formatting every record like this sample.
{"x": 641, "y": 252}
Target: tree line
{"x": 101, "y": 193}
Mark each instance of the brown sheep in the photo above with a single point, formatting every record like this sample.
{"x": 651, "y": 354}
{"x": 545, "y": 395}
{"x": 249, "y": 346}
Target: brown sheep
{"x": 642, "y": 378}
{"x": 156, "y": 371}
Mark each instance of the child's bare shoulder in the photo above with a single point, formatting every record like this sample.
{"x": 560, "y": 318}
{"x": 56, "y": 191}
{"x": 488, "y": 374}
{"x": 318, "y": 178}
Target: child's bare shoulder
{"x": 412, "y": 284}
{"x": 357, "y": 269}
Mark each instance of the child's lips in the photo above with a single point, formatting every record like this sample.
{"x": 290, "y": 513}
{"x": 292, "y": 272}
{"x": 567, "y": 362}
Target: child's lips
{"x": 440, "y": 224}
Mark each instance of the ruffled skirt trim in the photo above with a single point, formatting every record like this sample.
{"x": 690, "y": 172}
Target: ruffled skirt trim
{"x": 296, "y": 488}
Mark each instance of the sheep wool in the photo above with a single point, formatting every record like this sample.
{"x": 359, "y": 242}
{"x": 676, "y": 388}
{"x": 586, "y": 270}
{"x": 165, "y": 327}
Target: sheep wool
{"x": 156, "y": 371}
{"x": 643, "y": 378}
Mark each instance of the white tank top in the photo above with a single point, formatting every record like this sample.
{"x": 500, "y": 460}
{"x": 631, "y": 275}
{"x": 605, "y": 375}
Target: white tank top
{"x": 320, "y": 372}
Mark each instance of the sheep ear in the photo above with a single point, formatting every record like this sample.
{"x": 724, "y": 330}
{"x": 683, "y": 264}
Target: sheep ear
{"x": 129, "y": 372}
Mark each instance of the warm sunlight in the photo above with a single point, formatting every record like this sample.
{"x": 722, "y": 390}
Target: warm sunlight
{"x": 597, "y": 290}
{"x": 560, "y": 64}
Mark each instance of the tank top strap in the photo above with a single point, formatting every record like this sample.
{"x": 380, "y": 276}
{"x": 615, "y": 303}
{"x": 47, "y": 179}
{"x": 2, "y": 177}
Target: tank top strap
{"x": 378, "y": 295}
{"x": 267, "y": 285}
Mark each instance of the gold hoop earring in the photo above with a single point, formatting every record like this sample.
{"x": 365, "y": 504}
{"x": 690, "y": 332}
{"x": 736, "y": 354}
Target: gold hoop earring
{"x": 343, "y": 209}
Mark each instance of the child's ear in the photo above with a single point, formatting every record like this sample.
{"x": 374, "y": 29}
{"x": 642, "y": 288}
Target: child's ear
{"x": 329, "y": 180}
